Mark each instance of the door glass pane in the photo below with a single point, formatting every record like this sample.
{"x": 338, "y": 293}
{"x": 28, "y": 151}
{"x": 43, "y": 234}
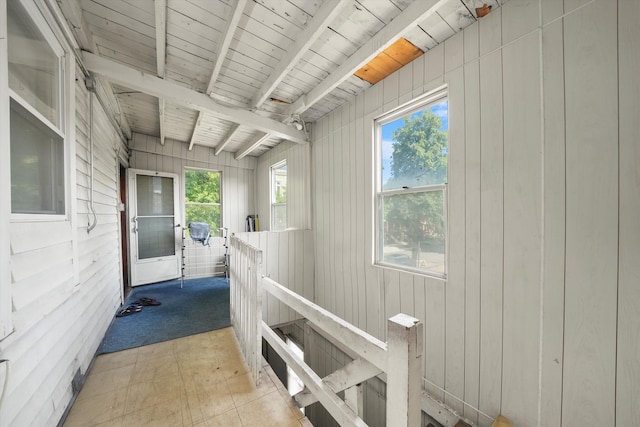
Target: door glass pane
{"x": 156, "y": 222}
{"x": 155, "y": 195}
{"x": 156, "y": 237}
{"x": 34, "y": 68}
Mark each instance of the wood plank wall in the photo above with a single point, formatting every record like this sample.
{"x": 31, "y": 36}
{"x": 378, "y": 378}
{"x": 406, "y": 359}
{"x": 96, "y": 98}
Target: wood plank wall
{"x": 287, "y": 258}
{"x": 538, "y": 318}
{"x": 298, "y": 184}
{"x": 66, "y": 284}
{"x": 237, "y": 190}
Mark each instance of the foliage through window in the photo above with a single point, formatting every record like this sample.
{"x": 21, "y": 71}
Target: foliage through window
{"x": 279, "y": 196}
{"x": 412, "y": 166}
{"x": 202, "y": 198}
{"x": 36, "y": 72}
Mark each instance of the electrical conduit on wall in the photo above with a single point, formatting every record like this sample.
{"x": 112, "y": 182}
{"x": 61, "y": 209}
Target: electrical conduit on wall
{"x": 90, "y": 84}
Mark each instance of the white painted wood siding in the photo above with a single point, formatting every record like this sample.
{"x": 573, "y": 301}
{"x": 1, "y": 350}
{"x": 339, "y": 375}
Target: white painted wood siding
{"x": 538, "y": 317}
{"x": 287, "y": 258}
{"x": 237, "y": 190}
{"x": 298, "y": 184}
{"x": 64, "y": 298}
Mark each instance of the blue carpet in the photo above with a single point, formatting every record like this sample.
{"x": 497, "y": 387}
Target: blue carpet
{"x": 202, "y": 305}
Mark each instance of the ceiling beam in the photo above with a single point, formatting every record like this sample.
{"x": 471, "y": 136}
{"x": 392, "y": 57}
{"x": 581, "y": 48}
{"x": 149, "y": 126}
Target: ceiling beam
{"x": 329, "y": 10}
{"x": 150, "y": 84}
{"x": 161, "y": 54}
{"x": 252, "y": 145}
{"x": 416, "y": 12}
{"x": 226, "y": 42}
{"x": 229, "y": 31}
{"x": 227, "y": 139}
{"x": 326, "y": 14}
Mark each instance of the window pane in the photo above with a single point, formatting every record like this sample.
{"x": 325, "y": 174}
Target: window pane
{"x": 203, "y": 213}
{"x": 202, "y": 186}
{"x": 37, "y": 160}
{"x": 279, "y": 215}
{"x": 413, "y": 150}
{"x": 279, "y": 184}
{"x": 413, "y": 230}
{"x": 155, "y": 195}
{"x": 34, "y": 68}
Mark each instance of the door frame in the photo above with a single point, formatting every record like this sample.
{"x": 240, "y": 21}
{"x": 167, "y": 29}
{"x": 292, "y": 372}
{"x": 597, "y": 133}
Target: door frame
{"x": 132, "y": 212}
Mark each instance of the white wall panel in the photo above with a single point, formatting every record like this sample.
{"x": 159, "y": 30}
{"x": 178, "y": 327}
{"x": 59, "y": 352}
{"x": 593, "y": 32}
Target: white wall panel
{"x": 591, "y": 268}
{"x": 522, "y": 228}
{"x": 627, "y": 391}
{"x": 63, "y": 302}
{"x": 525, "y": 324}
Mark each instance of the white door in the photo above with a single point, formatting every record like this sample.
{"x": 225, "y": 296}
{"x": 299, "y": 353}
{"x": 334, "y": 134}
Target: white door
{"x": 155, "y": 234}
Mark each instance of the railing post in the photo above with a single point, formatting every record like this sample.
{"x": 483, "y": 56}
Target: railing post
{"x": 404, "y": 371}
{"x": 354, "y": 398}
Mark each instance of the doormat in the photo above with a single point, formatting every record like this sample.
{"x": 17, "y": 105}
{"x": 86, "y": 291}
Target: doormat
{"x": 202, "y": 305}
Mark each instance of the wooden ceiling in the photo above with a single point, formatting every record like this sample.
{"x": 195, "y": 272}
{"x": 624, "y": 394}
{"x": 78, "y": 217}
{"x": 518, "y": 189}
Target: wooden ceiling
{"x": 258, "y": 63}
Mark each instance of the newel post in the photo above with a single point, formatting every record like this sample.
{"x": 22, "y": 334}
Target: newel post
{"x": 404, "y": 371}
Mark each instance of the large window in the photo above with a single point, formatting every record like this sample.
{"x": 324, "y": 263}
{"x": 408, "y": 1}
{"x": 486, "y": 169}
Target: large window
{"x": 36, "y": 76}
{"x": 202, "y": 198}
{"x": 279, "y": 196}
{"x": 412, "y": 150}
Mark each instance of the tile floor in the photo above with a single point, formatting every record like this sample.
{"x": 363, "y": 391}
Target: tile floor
{"x": 200, "y": 380}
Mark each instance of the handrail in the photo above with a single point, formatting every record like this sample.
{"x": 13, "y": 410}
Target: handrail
{"x": 400, "y": 358}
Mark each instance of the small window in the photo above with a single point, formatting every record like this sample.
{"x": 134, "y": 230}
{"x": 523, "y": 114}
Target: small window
{"x": 35, "y": 64}
{"x": 202, "y": 198}
{"x": 412, "y": 168}
{"x": 279, "y": 196}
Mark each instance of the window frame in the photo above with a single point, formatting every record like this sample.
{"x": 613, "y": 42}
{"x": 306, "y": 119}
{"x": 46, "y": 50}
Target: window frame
{"x": 65, "y": 106}
{"x": 272, "y": 195}
{"x": 184, "y": 196}
{"x": 421, "y": 103}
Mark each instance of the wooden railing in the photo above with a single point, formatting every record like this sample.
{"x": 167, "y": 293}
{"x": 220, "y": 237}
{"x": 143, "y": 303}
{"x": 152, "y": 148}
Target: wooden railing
{"x": 245, "y": 305}
{"x": 400, "y": 358}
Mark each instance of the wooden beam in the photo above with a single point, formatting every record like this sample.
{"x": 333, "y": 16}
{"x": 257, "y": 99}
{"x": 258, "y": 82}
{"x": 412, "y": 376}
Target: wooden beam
{"x": 227, "y": 37}
{"x": 229, "y": 31}
{"x": 436, "y": 409}
{"x": 161, "y": 54}
{"x": 226, "y": 140}
{"x": 320, "y": 21}
{"x": 408, "y": 19}
{"x": 350, "y": 375}
{"x": 161, "y": 36}
{"x": 195, "y": 130}
{"x": 363, "y": 344}
{"x": 252, "y": 145}
{"x": 144, "y": 82}
{"x": 338, "y": 409}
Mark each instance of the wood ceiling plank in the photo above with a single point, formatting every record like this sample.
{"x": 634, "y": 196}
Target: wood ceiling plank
{"x": 116, "y": 17}
{"x": 403, "y": 51}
